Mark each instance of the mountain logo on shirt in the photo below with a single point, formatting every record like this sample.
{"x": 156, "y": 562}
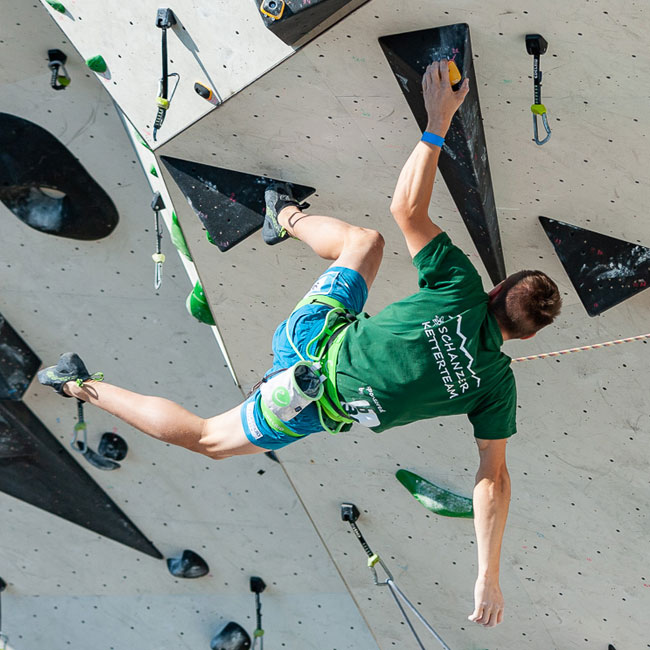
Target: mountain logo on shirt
{"x": 454, "y": 362}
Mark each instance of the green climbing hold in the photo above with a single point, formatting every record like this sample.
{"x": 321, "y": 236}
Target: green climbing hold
{"x": 153, "y": 171}
{"x": 97, "y": 63}
{"x": 142, "y": 141}
{"x": 435, "y": 498}
{"x": 208, "y": 236}
{"x": 56, "y": 5}
{"x": 178, "y": 239}
{"x": 198, "y": 306}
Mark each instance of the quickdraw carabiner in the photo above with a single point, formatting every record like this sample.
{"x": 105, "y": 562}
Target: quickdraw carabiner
{"x": 350, "y": 513}
{"x": 540, "y": 110}
{"x": 536, "y": 45}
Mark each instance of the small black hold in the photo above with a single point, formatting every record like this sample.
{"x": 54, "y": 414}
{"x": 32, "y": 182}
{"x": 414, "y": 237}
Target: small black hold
{"x": 257, "y": 585}
{"x": 157, "y": 203}
{"x": 231, "y": 636}
{"x": 349, "y": 512}
{"x": 189, "y": 565}
{"x": 95, "y": 459}
{"x": 113, "y": 446}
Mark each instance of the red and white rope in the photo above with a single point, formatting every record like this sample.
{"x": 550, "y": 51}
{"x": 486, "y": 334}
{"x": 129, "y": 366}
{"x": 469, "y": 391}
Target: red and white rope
{"x": 595, "y": 346}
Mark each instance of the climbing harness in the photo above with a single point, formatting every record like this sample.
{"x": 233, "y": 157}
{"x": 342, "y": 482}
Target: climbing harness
{"x": 257, "y": 587}
{"x": 157, "y": 204}
{"x": 164, "y": 20}
{"x": 60, "y": 78}
{"x": 595, "y": 346}
{"x": 536, "y": 45}
{"x": 272, "y": 8}
{"x": 286, "y": 392}
{"x": 350, "y": 513}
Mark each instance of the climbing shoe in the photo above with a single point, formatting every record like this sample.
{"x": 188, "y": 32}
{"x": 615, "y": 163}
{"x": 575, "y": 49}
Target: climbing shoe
{"x": 277, "y": 197}
{"x": 69, "y": 368}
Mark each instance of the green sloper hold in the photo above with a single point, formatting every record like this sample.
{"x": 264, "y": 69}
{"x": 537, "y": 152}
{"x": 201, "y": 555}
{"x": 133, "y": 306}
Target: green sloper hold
{"x": 153, "y": 171}
{"x": 97, "y": 63}
{"x": 435, "y": 498}
{"x": 198, "y": 306}
{"x": 178, "y": 239}
{"x": 56, "y": 5}
{"x": 142, "y": 141}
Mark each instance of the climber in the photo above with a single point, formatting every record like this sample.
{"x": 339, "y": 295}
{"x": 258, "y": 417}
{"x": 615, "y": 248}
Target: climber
{"x": 436, "y": 352}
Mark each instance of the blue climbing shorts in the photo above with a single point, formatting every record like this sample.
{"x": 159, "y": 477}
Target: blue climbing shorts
{"x": 343, "y": 284}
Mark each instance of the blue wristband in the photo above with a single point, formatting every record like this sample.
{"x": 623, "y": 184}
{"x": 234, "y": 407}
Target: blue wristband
{"x": 433, "y": 138}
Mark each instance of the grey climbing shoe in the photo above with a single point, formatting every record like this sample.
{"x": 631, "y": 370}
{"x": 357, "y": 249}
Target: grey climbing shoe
{"x": 277, "y": 197}
{"x": 69, "y": 368}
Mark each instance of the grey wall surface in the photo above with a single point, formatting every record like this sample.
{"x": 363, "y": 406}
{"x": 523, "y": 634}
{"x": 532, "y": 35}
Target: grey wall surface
{"x": 68, "y": 587}
{"x": 574, "y": 563}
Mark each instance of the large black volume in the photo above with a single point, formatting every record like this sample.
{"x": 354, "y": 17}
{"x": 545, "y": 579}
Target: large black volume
{"x": 464, "y": 160}
{"x": 603, "y": 270}
{"x": 230, "y": 204}
{"x": 35, "y": 468}
{"x": 18, "y": 363}
{"x": 293, "y": 20}
{"x": 45, "y": 186}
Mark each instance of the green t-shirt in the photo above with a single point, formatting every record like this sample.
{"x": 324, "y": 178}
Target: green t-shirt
{"x": 437, "y": 352}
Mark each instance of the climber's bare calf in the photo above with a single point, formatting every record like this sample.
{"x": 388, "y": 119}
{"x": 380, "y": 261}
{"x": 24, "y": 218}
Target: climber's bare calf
{"x": 218, "y": 437}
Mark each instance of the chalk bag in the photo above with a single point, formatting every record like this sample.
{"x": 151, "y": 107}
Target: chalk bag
{"x": 288, "y": 392}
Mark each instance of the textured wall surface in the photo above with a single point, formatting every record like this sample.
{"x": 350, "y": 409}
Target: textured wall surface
{"x": 574, "y": 566}
{"x": 68, "y": 587}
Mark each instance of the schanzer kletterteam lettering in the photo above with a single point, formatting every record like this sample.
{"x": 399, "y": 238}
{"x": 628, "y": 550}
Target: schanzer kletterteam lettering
{"x": 454, "y": 375}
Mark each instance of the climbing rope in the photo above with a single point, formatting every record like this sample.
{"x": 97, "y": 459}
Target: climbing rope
{"x": 595, "y": 346}
{"x": 350, "y": 513}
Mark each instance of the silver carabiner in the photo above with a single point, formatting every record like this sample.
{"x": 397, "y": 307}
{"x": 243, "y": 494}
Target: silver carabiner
{"x": 544, "y": 122}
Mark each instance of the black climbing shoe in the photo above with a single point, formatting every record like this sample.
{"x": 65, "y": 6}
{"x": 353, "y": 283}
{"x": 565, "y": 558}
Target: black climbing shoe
{"x": 277, "y": 197}
{"x": 69, "y": 368}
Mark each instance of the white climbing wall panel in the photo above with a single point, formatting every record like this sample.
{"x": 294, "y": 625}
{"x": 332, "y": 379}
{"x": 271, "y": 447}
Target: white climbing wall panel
{"x": 68, "y": 587}
{"x": 574, "y": 564}
{"x": 220, "y": 44}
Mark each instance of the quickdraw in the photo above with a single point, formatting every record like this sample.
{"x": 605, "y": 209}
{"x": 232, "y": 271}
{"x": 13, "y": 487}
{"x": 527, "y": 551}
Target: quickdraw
{"x": 536, "y": 45}
{"x": 350, "y": 513}
{"x": 165, "y": 19}
{"x": 60, "y": 78}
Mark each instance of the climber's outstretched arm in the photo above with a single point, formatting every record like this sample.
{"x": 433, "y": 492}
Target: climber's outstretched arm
{"x": 410, "y": 205}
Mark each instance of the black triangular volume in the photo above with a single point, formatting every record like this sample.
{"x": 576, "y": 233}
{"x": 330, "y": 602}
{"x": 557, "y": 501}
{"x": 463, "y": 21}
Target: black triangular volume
{"x": 302, "y": 20}
{"x": 46, "y": 187}
{"x": 464, "y": 160}
{"x": 35, "y": 468}
{"x": 603, "y": 270}
{"x": 230, "y": 204}
{"x": 18, "y": 363}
